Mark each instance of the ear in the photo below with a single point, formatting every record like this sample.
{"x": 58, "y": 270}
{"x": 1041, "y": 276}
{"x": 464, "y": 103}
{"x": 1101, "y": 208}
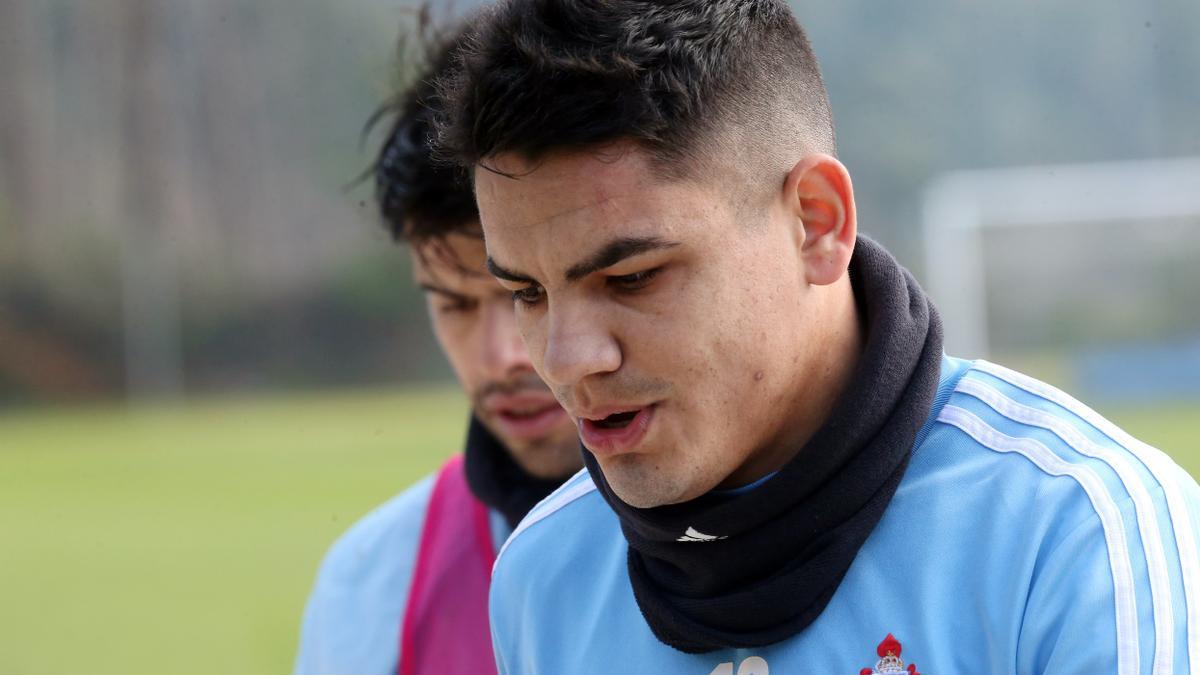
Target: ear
{"x": 821, "y": 196}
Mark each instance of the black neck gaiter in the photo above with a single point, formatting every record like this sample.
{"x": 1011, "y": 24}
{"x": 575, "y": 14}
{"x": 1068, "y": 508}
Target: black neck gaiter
{"x": 751, "y": 569}
{"x": 497, "y": 480}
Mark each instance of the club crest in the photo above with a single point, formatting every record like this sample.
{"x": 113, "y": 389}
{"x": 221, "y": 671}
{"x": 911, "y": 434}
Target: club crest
{"x": 890, "y": 662}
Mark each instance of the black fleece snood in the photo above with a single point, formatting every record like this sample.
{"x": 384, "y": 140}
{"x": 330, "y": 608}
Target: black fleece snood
{"x": 754, "y": 568}
{"x": 497, "y": 480}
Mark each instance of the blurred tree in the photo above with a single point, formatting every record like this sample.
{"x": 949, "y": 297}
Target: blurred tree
{"x": 182, "y": 164}
{"x": 24, "y": 174}
{"x": 150, "y": 286}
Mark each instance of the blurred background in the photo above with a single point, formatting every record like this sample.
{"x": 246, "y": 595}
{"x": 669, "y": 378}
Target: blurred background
{"x": 212, "y": 360}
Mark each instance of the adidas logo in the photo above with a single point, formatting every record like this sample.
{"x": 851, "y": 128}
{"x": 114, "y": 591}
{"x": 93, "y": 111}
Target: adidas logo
{"x": 693, "y": 535}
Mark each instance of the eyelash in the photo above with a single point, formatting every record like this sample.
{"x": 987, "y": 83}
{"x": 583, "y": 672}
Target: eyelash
{"x": 521, "y": 295}
{"x": 457, "y": 307}
{"x": 626, "y": 283}
{"x": 631, "y": 283}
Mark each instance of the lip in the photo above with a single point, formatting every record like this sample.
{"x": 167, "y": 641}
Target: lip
{"x": 526, "y": 416}
{"x": 609, "y": 442}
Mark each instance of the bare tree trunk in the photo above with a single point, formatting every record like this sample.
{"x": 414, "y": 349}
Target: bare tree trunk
{"x": 153, "y": 359}
{"x": 24, "y": 169}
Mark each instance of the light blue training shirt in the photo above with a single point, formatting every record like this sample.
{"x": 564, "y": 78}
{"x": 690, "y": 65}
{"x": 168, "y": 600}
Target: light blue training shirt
{"x": 1029, "y": 535}
{"x": 352, "y": 619}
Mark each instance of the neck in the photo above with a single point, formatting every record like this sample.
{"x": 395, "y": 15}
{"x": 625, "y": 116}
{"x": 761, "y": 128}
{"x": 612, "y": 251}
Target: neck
{"x": 496, "y": 479}
{"x": 814, "y": 390}
{"x": 777, "y": 554}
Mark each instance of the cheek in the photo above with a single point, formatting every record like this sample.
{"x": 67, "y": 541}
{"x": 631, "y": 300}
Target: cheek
{"x": 531, "y": 328}
{"x": 731, "y": 362}
{"x": 443, "y": 329}
{"x": 458, "y": 340}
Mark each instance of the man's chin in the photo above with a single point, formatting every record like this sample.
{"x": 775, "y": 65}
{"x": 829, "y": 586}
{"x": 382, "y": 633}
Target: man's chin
{"x": 643, "y": 488}
{"x": 553, "y": 456}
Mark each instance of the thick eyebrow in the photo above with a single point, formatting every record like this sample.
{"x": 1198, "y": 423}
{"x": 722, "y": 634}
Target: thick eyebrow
{"x": 614, "y": 252}
{"x": 610, "y": 254}
{"x": 507, "y": 275}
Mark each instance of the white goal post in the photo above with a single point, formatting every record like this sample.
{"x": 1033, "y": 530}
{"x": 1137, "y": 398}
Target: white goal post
{"x": 958, "y": 207}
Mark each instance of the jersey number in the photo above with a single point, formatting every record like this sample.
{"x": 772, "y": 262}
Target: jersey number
{"x": 755, "y": 665}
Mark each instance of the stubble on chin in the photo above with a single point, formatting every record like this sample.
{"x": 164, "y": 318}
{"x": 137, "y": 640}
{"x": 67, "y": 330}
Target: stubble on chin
{"x": 643, "y": 482}
{"x": 553, "y": 458}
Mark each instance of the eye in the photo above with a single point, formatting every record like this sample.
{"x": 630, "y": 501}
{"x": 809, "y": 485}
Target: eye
{"x": 528, "y": 296}
{"x": 458, "y": 307}
{"x": 629, "y": 283}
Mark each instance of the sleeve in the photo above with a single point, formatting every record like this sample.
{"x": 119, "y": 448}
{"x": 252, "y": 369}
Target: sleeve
{"x": 1082, "y": 618}
{"x": 499, "y": 618}
{"x": 330, "y": 605}
{"x": 501, "y": 668}
{"x": 1069, "y": 625}
{"x": 308, "y": 658}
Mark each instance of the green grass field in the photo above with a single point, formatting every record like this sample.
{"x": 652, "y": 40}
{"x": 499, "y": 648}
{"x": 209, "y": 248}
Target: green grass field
{"x": 183, "y": 539}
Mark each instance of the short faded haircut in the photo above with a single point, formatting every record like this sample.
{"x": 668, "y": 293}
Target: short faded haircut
{"x": 697, "y": 84}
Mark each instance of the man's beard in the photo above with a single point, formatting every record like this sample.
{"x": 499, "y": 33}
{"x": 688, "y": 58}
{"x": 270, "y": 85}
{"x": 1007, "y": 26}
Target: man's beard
{"x": 525, "y": 383}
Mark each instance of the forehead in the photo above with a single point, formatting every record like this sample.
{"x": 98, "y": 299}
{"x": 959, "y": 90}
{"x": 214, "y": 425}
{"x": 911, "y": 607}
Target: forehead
{"x": 452, "y": 260}
{"x": 576, "y": 200}
{"x": 552, "y": 183}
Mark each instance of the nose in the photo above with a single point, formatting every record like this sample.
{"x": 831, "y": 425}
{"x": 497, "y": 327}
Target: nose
{"x": 503, "y": 350}
{"x": 578, "y": 343}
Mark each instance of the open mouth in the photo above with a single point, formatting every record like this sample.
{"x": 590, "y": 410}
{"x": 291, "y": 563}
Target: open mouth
{"x": 617, "y": 420}
{"x": 618, "y": 432}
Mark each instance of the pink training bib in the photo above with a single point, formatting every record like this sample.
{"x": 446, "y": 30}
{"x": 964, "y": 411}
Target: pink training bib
{"x": 445, "y": 629}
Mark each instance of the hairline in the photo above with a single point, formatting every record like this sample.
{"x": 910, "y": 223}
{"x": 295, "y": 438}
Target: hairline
{"x": 708, "y": 163}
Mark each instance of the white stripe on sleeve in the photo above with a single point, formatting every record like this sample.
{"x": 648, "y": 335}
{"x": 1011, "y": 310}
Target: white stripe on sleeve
{"x": 1102, "y": 502}
{"x": 1160, "y": 466}
{"x": 1147, "y": 518}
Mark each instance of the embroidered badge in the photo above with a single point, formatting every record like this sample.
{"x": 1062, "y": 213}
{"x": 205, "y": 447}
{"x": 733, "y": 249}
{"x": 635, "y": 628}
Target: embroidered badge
{"x": 889, "y": 660}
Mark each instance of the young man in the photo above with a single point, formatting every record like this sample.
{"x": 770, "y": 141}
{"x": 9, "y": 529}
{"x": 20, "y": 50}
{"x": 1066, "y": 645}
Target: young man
{"x": 785, "y": 474}
{"x": 405, "y": 590}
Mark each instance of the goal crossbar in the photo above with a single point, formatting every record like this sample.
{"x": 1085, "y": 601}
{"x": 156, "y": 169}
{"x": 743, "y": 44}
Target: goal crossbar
{"x": 958, "y": 206}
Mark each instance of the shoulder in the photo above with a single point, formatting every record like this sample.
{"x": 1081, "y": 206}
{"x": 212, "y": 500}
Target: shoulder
{"x": 352, "y": 618}
{"x": 572, "y": 517}
{"x": 570, "y": 535}
{"x": 1023, "y": 423}
{"x": 1111, "y": 521}
{"x": 575, "y": 499}
{"x": 387, "y": 536}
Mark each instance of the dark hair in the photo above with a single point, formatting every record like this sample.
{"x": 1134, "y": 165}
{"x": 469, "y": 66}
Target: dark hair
{"x": 419, "y": 197}
{"x": 685, "y": 79}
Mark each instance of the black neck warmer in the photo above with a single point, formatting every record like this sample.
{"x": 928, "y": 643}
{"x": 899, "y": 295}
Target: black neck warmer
{"x": 496, "y": 478}
{"x": 751, "y": 569}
